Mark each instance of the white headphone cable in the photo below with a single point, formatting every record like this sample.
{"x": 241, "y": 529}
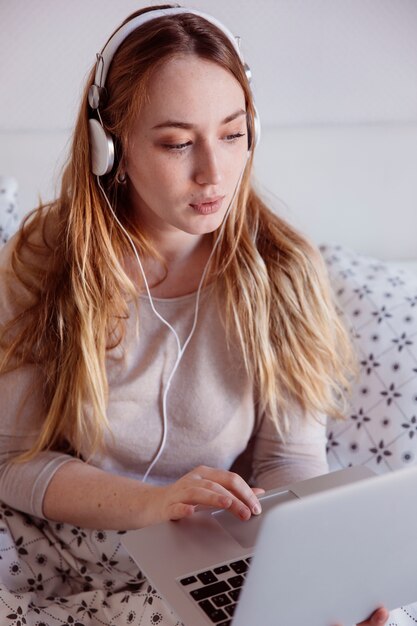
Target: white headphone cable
{"x": 180, "y": 350}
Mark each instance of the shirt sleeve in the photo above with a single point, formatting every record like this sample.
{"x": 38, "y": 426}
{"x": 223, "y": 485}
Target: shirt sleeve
{"x": 300, "y": 455}
{"x": 22, "y": 411}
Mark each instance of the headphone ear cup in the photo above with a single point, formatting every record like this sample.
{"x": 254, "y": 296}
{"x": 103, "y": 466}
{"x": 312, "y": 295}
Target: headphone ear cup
{"x": 101, "y": 148}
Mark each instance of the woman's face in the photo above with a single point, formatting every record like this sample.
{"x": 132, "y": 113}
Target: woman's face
{"x": 188, "y": 148}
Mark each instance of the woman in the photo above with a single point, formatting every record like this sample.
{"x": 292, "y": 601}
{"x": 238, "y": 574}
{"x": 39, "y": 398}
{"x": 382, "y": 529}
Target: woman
{"x": 159, "y": 324}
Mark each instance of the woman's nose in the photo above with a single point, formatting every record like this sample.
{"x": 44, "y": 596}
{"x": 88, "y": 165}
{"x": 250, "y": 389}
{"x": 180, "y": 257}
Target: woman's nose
{"x": 207, "y": 170}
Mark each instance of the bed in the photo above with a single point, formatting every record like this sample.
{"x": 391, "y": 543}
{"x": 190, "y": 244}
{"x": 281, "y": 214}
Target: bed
{"x": 337, "y": 158}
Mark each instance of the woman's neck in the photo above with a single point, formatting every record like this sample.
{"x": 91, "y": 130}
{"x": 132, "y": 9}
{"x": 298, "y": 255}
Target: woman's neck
{"x": 180, "y": 271}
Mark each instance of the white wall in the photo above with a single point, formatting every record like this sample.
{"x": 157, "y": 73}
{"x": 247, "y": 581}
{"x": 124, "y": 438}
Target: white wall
{"x": 335, "y": 85}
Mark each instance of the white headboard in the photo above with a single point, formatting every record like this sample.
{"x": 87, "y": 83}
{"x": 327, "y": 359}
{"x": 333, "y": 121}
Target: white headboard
{"x": 335, "y": 86}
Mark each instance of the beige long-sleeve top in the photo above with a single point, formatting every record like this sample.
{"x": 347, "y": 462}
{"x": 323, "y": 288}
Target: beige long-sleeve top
{"x": 211, "y": 413}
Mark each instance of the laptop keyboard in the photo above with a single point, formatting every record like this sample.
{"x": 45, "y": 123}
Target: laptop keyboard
{"x": 217, "y": 590}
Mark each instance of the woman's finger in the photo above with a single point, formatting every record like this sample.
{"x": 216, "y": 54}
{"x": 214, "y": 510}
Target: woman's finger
{"x": 378, "y": 618}
{"x": 211, "y": 494}
{"x": 235, "y": 485}
{"x": 179, "y": 511}
{"x": 229, "y": 501}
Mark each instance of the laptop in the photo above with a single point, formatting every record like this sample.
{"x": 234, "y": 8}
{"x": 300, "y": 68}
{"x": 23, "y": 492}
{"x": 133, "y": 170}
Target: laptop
{"x": 324, "y": 551}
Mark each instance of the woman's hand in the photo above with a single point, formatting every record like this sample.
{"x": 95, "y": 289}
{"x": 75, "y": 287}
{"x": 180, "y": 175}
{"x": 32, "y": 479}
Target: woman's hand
{"x": 204, "y": 486}
{"x": 378, "y": 618}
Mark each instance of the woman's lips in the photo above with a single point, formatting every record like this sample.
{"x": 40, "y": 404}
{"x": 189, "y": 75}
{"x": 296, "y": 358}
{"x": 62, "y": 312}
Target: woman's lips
{"x": 211, "y": 206}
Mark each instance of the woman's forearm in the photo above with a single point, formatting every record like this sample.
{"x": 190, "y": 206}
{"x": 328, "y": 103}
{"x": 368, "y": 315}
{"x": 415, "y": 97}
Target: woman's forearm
{"x": 92, "y": 498}
{"x": 86, "y": 496}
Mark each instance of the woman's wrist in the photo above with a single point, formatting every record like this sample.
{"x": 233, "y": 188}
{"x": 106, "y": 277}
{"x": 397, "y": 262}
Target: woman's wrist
{"x": 146, "y": 506}
{"x": 86, "y": 496}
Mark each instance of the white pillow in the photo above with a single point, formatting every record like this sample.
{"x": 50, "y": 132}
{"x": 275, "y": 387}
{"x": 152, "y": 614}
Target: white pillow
{"x": 379, "y": 304}
{"x": 9, "y": 218}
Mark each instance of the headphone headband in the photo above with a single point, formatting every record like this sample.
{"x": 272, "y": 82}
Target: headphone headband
{"x": 105, "y": 57}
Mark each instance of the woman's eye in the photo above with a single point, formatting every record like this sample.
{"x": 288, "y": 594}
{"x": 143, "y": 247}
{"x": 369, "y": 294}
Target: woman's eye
{"x": 180, "y": 147}
{"x": 176, "y": 147}
{"x": 235, "y": 136}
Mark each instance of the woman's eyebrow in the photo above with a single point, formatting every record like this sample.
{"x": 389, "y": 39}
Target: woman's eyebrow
{"x": 187, "y": 125}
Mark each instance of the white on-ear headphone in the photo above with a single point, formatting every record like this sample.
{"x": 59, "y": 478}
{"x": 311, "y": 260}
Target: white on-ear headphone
{"x": 101, "y": 142}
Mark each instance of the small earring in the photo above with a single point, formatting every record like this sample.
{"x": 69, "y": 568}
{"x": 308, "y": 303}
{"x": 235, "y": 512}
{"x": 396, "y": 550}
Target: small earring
{"x": 121, "y": 178}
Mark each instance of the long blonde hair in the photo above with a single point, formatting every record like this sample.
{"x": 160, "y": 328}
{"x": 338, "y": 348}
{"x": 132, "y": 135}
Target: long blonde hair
{"x": 273, "y": 283}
